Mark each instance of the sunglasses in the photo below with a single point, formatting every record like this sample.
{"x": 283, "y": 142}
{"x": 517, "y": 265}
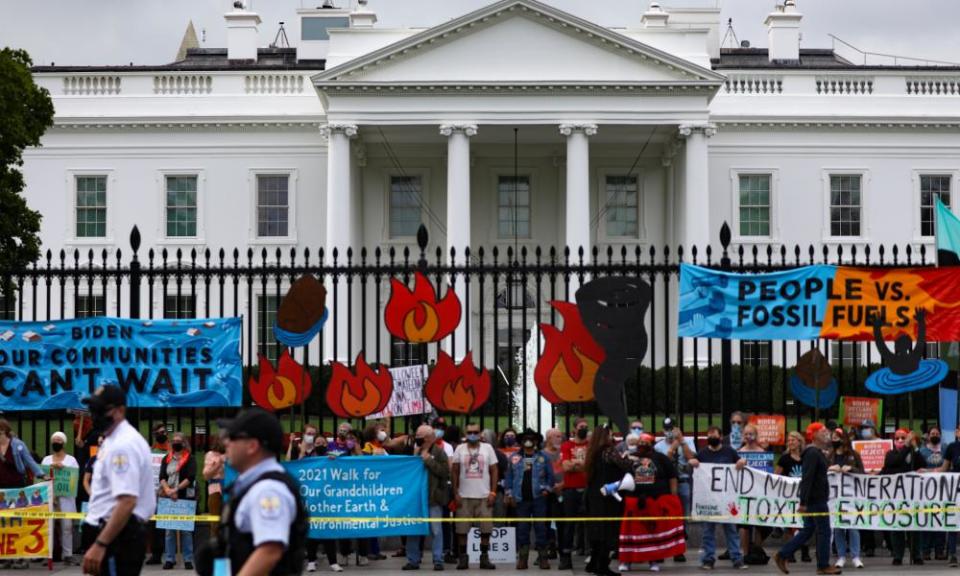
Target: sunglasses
{"x": 900, "y": 438}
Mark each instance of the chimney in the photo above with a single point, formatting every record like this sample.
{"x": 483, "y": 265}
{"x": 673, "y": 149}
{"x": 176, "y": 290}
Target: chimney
{"x": 655, "y": 17}
{"x": 362, "y": 17}
{"x": 242, "y": 33}
{"x": 783, "y": 31}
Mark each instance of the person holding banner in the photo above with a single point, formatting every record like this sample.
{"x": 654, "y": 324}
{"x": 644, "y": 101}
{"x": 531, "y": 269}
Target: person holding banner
{"x": 178, "y": 475}
{"x": 752, "y": 537}
{"x": 846, "y": 460}
{"x": 932, "y": 452}
{"x": 58, "y": 461}
{"x": 438, "y": 475}
{"x": 951, "y": 463}
{"x": 122, "y": 496}
{"x": 902, "y": 459}
{"x": 814, "y": 495}
{"x": 716, "y": 453}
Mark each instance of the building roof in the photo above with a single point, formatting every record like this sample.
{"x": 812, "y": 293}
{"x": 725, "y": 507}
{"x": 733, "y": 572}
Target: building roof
{"x": 208, "y": 60}
{"x": 810, "y": 59}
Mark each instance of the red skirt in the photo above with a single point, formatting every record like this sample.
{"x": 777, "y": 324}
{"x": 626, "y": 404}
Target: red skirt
{"x": 649, "y": 540}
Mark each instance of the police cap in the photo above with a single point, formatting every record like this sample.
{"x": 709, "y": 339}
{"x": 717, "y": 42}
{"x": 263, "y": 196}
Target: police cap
{"x": 257, "y": 424}
{"x": 105, "y": 398}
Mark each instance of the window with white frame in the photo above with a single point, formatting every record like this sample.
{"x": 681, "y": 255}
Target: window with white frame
{"x": 406, "y": 195}
{"x": 89, "y": 305}
{"x": 622, "y": 206}
{"x": 406, "y": 353}
{"x": 931, "y": 186}
{"x": 273, "y": 205}
{"x": 183, "y": 306}
{"x": 754, "y": 198}
{"x": 846, "y": 354}
{"x": 755, "y": 353}
{"x": 513, "y": 206}
{"x": 91, "y": 206}
{"x": 267, "y": 306}
{"x": 181, "y": 206}
{"x": 846, "y": 198}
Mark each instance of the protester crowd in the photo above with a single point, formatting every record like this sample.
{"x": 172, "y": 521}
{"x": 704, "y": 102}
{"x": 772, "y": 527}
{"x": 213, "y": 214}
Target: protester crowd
{"x": 523, "y": 475}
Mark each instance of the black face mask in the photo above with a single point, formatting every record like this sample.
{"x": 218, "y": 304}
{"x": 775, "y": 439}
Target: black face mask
{"x": 582, "y": 433}
{"x": 101, "y": 420}
{"x": 935, "y": 440}
{"x": 837, "y": 444}
{"x": 177, "y": 446}
{"x": 713, "y": 441}
{"x": 320, "y": 450}
{"x": 161, "y": 438}
{"x": 419, "y": 441}
{"x": 57, "y": 446}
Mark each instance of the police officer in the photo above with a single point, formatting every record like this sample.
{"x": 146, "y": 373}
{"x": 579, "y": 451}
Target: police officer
{"x": 264, "y": 524}
{"x": 122, "y": 497}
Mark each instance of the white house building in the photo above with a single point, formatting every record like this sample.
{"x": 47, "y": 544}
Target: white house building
{"x": 515, "y": 124}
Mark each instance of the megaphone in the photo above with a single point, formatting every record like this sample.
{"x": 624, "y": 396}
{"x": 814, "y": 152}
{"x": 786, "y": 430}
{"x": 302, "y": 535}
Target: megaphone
{"x": 614, "y": 488}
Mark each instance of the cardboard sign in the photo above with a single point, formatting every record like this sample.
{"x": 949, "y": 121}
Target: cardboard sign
{"x": 65, "y": 480}
{"x": 771, "y": 428}
{"x": 503, "y": 548}
{"x": 176, "y": 508}
{"x": 854, "y": 410}
{"x": 872, "y": 452}
{"x": 408, "y": 398}
{"x": 156, "y": 462}
{"x": 759, "y": 460}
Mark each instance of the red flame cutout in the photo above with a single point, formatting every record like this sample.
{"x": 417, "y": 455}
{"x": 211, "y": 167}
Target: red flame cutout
{"x": 566, "y": 370}
{"x": 359, "y": 392}
{"x": 287, "y": 386}
{"x": 453, "y": 388}
{"x": 417, "y": 316}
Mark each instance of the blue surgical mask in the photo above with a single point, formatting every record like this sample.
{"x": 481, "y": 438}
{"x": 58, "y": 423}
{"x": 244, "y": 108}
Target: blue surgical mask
{"x": 637, "y": 431}
{"x": 438, "y": 432}
{"x": 473, "y": 438}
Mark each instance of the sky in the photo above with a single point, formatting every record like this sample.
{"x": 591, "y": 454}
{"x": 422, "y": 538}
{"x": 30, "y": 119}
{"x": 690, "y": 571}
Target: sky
{"x": 102, "y": 32}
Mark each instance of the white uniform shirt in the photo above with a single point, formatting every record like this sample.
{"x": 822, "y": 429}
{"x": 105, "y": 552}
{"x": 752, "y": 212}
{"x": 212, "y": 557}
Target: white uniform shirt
{"x": 268, "y": 508}
{"x": 122, "y": 469}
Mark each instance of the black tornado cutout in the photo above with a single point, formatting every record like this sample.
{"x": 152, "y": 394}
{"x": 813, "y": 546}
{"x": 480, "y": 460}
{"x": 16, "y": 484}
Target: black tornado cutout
{"x": 613, "y": 309}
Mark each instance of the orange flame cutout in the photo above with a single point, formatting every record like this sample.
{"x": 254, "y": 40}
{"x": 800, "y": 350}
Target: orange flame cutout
{"x": 284, "y": 387}
{"x": 417, "y": 316}
{"x": 566, "y": 370}
{"x": 453, "y": 388}
{"x": 360, "y": 392}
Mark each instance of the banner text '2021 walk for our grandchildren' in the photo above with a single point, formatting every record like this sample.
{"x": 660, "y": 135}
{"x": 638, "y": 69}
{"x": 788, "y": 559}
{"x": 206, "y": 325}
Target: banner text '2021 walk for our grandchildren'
{"x": 382, "y": 490}
{"x": 820, "y": 301}
{"x": 909, "y": 502}
{"x": 160, "y": 363}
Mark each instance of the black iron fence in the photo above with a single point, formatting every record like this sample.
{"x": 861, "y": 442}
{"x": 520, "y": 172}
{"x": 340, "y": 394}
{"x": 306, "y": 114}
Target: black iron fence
{"x": 505, "y": 292}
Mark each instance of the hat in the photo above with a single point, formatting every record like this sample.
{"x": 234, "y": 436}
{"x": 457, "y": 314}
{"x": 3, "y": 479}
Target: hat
{"x": 648, "y": 438}
{"x": 106, "y": 397}
{"x": 257, "y": 424}
{"x": 58, "y": 436}
{"x": 868, "y": 423}
{"x": 812, "y": 429}
{"x": 668, "y": 423}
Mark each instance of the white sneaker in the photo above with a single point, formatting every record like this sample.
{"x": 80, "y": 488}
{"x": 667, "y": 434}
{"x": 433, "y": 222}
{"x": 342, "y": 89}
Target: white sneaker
{"x": 841, "y": 562}
{"x": 344, "y": 560}
{"x": 311, "y": 566}
{"x": 654, "y": 567}
{"x": 335, "y": 568}
{"x": 623, "y": 568}
{"x": 857, "y": 563}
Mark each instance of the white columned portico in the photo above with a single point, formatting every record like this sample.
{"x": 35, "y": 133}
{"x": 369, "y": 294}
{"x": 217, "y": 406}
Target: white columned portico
{"x": 458, "y": 212}
{"x": 340, "y": 234}
{"x": 578, "y": 187}
{"x": 340, "y": 199}
{"x": 696, "y": 186}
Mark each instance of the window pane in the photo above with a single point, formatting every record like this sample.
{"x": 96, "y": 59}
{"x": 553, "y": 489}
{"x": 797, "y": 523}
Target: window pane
{"x": 272, "y": 205}
{"x": 406, "y": 194}
{"x": 621, "y": 206}
{"x": 88, "y": 306}
{"x": 513, "y": 211}
{"x": 754, "y": 196}
{"x": 266, "y": 317}
{"x": 91, "y": 206}
{"x": 845, "y": 205}
{"x": 932, "y": 186}
{"x": 177, "y": 307}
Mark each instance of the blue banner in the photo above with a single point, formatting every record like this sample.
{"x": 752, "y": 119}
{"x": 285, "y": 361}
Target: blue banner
{"x": 160, "y": 363}
{"x": 380, "y": 490}
{"x": 169, "y": 507}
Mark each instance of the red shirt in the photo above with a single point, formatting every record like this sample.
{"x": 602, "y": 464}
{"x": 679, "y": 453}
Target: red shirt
{"x": 571, "y": 450}
{"x": 9, "y": 476}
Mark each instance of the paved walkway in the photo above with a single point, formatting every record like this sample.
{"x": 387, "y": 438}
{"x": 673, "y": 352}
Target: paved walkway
{"x": 392, "y": 566}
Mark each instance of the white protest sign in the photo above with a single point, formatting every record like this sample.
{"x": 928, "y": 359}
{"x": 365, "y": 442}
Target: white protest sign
{"x": 408, "y": 397}
{"x": 906, "y": 502}
{"x": 156, "y": 462}
{"x": 503, "y": 548}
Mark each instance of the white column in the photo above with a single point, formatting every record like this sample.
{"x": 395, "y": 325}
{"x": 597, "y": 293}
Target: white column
{"x": 340, "y": 234}
{"x": 578, "y": 187}
{"x": 458, "y": 214}
{"x": 696, "y": 183}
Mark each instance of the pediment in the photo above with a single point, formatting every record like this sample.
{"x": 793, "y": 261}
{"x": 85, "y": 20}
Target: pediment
{"x": 518, "y": 42}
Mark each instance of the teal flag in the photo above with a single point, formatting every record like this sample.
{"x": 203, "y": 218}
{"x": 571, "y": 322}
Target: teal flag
{"x": 948, "y": 235}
